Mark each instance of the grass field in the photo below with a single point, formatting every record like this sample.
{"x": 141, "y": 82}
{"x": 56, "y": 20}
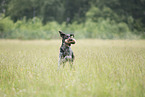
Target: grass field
{"x": 103, "y": 68}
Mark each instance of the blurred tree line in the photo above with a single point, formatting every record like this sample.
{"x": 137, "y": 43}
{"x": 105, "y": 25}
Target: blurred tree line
{"x": 106, "y": 16}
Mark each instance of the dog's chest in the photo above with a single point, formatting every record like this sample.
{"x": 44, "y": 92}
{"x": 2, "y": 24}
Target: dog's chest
{"x": 66, "y": 51}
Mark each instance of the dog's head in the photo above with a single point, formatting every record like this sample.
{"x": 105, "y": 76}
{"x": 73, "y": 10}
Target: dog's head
{"x": 67, "y": 38}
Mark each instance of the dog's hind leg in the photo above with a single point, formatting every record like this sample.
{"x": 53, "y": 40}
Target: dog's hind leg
{"x": 71, "y": 64}
{"x": 59, "y": 63}
{"x": 63, "y": 64}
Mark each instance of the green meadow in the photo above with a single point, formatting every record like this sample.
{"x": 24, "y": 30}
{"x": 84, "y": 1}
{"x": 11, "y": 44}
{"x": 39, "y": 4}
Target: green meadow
{"x": 102, "y": 68}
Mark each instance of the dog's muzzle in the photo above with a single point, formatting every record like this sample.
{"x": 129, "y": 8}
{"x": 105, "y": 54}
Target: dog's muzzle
{"x": 70, "y": 41}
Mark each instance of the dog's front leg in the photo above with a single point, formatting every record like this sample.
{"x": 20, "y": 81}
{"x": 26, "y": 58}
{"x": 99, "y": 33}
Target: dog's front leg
{"x": 60, "y": 60}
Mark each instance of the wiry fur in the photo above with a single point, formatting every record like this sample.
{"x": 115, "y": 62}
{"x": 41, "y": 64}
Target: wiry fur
{"x": 66, "y": 53}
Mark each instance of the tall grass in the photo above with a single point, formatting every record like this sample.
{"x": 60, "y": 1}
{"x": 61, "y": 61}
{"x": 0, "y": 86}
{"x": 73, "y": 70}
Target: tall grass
{"x": 103, "y": 68}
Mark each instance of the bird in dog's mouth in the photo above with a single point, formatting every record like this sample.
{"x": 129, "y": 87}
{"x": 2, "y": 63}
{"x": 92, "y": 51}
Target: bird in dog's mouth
{"x": 70, "y": 41}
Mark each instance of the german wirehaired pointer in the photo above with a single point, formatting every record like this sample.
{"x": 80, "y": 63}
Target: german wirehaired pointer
{"x": 66, "y": 54}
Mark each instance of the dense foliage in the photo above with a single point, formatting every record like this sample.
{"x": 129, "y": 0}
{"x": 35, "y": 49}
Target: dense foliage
{"x": 41, "y": 19}
{"x": 103, "y": 29}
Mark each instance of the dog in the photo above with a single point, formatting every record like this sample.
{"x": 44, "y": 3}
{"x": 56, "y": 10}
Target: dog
{"x": 66, "y": 53}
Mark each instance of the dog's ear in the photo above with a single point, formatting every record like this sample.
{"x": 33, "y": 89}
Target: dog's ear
{"x": 61, "y": 34}
{"x": 72, "y": 35}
